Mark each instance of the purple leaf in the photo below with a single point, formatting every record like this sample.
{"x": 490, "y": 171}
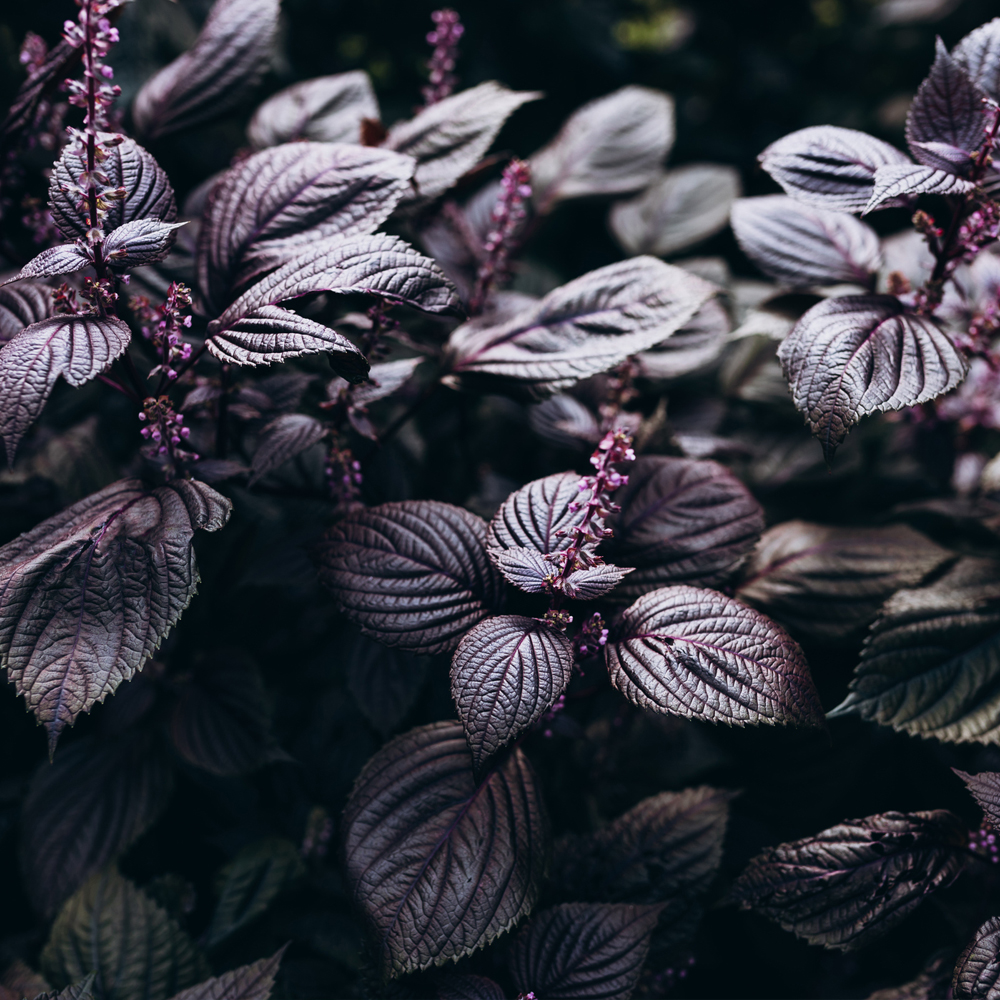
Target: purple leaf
{"x": 88, "y": 595}
{"x": 59, "y": 63}
{"x": 526, "y": 569}
{"x": 826, "y": 584}
{"x": 384, "y": 380}
{"x": 440, "y": 863}
{"x": 226, "y": 62}
{"x": 248, "y": 982}
{"x": 680, "y": 208}
{"x": 413, "y": 574}
{"x": 75, "y": 347}
{"x": 593, "y": 950}
{"x": 613, "y": 145}
{"x": 564, "y": 421}
{"x": 682, "y": 521}
{"x": 594, "y": 581}
{"x": 582, "y": 328}
{"x": 464, "y": 987}
{"x": 281, "y": 440}
{"x": 803, "y": 244}
{"x": 977, "y": 971}
{"x": 63, "y": 259}
{"x": 450, "y": 137}
{"x": 829, "y": 166}
{"x": 30, "y": 302}
{"x": 148, "y": 194}
{"x": 327, "y": 109}
{"x": 83, "y": 990}
{"x": 506, "y": 673}
{"x": 86, "y": 808}
{"x": 934, "y": 979}
{"x": 852, "y": 356}
{"x": 538, "y": 516}
{"x": 276, "y": 204}
{"x": 910, "y": 179}
{"x": 850, "y": 884}
{"x": 694, "y": 346}
{"x": 698, "y": 654}
{"x": 385, "y": 682}
{"x": 142, "y": 241}
{"x": 985, "y": 789}
{"x": 948, "y": 109}
{"x": 979, "y": 54}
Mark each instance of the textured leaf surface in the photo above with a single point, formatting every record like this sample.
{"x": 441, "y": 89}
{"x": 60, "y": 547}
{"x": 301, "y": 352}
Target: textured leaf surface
{"x": 142, "y": 241}
{"x": 681, "y": 521}
{"x": 694, "y": 346}
{"x": 506, "y": 673}
{"x": 582, "y": 328}
{"x": 826, "y": 584}
{"x": 803, "y": 244}
{"x": 326, "y": 109}
{"x": 413, "y": 574}
{"x": 385, "y": 379}
{"x": 384, "y": 681}
{"x": 88, "y": 595}
{"x": 248, "y": 982}
{"x": 613, "y": 145}
{"x": 932, "y": 983}
{"x": 931, "y": 662}
{"x": 564, "y": 421}
{"x": 848, "y": 885}
{"x": 82, "y": 990}
{"x": 852, "y": 356}
{"x": 985, "y": 789}
{"x": 281, "y": 440}
{"x": 576, "y": 950}
{"x": 114, "y": 930}
{"x": 680, "y": 208}
{"x": 457, "y": 987}
{"x": 63, "y": 259}
{"x": 22, "y": 305}
{"x": 979, "y": 53}
{"x": 699, "y": 654}
{"x": 451, "y": 136}
{"x": 58, "y": 63}
{"x": 442, "y": 864}
{"x": 977, "y": 972}
{"x": 537, "y": 516}
{"x": 829, "y": 166}
{"x": 227, "y": 60}
{"x": 910, "y": 179}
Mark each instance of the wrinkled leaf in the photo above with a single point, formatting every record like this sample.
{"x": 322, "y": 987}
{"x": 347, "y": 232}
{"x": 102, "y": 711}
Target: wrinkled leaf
{"x": 226, "y": 62}
{"x": 526, "y": 569}
{"x": 698, "y": 654}
{"x": 696, "y": 344}
{"x": 506, "y": 673}
{"x": 82, "y": 990}
{"x": 979, "y": 53}
{"x": 384, "y": 380}
{"x": 384, "y": 681}
{"x": 932, "y": 983}
{"x": 63, "y": 259}
{"x": 850, "y": 884}
{"x": 281, "y": 440}
{"x": 537, "y": 516}
{"x": 440, "y": 863}
{"x": 142, "y": 241}
{"x": 456, "y": 987}
{"x": 985, "y": 789}
{"x": 564, "y": 421}
{"x": 977, "y": 972}
{"x": 908, "y": 180}
{"x": 27, "y": 303}
{"x": 248, "y": 982}
{"x": 413, "y": 574}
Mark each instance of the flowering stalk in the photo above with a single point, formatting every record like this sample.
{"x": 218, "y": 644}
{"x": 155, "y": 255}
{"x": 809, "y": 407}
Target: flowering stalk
{"x": 161, "y": 326}
{"x": 164, "y": 429}
{"x": 445, "y": 37}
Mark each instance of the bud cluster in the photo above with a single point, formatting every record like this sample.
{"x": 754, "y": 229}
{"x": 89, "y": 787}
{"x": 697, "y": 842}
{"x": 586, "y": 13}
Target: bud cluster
{"x": 164, "y": 429}
{"x": 161, "y": 326}
{"x": 591, "y": 638}
{"x": 343, "y": 471}
{"x": 445, "y": 37}
{"x": 97, "y": 296}
{"x": 984, "y": 841}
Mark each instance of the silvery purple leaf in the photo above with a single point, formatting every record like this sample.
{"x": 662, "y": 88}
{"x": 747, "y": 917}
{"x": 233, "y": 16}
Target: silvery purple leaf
{"x": 466, "y": 987}
{"x": 148, "y": 194}
{"x": 277, "y": 203}
{"x": 803, "y": 244}
{"x": 948, "y": 109}
{"x": 441, "y": 863}
{"x": 248, "y": 982}
{"x": 582, "y": 328}
{"x": 75, "y": 347}
{"x": 538, "y": 516}
{"x": 385, "y": 682}
{"x": 692, "y": 348}
{"x": 526, "y": 569}
{"x": 908, "y": 180}
{"x": 829, "y": 166}
{"x": 594, "y": 581}
{"x": 451, "y": 136}
{"x": 985, "y": 789}
{"x": 281, "y": 440}
{"x": 850, "y": 884}
{"x": 142, "y": 241}
{"x": 63, "y": 259}
{"x": 30, "y": 302}
{"x": 413, "y": 574}
{"x": 89, "y": 594}
{"x": 698, "y": 654}
{"x": 613, "y": 145}
{"x": 385, "y": 379}
{"x": 327, "y": 109}
{"x": 979, "y": 54}
{"x": 593, "y": 950}
{"x": 215, "y": 75}
{"x": 852, "y": 356}
{"x": 977, "y": 971}
{"x": 566, "y": 422}
{"x": 680, "y": 208}
{"x": 681, "y": 521}
{"x": 506, "y": 673}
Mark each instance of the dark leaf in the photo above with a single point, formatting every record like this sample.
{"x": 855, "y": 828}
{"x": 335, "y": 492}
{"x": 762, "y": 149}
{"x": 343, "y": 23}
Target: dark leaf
{"x": 84, "y": 809}
{"x": 111, "y": 928}
{"x": 826, "y": 584}
{"x": 384, "y": 380}
{"x": 63, "y": 259}
{"x": 19, "y": 981}
{"x": 699, "y": 654}
{"x": 680, "y": 208}
{"x": 75, "y": 347}
{"x": 592, "y": 950}
{"x": 89, "y": 594}
{"x": 594, "y": 581}
{"x": 451, "y": 136}
{"x": 227, "y": 60}
{"x": 142, "y": 241}
{"x": 250, "y": 883}
{"x": 248, "y": 982}
{"x": 802, "y": 244}
{"x": 681, "y": 521}
{"x": 564, "y": 421}
{"x": 910, "y": 179}
{"x": 59, "y": 63}
{"x": 852, "y": 356}
{"x": 413, "y": 574}
{"x": 696, "y": 344}
{"x": 282, "y": 439}
{"x": 985, "y": 789}
{"x": 506, "y": 673}
{"x": 457, "y": 987}
{"x": 829, "y": 166}
{"x": 979, "y": 53}
{"x": 582, "y": 328}
{"x": 537, "y": 516}
{"x": 613, "y": 145}
{"x": 28, "y": 303}
{"x": 526, "y": 569}
{"x": 977, "y": 972}
{"x": 933, "y": 982}
{"x": 442, "y": 864}
{"x": 930, "y": 665}
{"x": 327, "y": 109}
{"x": 82, "y": 990}
{"x": 384, "y": 681}
{"x": 850, "y": 884}
{"x": 148, "y": 194}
